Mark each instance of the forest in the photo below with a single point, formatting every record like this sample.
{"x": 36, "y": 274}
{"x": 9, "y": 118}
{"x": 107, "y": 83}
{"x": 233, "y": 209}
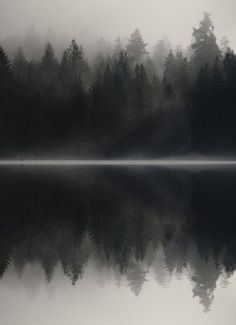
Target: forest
{"x": 123, "y": 103}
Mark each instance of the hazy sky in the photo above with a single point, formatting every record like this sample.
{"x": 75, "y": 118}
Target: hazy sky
{"x": 108, "y": 18}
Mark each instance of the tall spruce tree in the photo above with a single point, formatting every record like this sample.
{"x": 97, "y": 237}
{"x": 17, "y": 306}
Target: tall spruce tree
{"x": 161, "y": 50}
{"x": 142, "y": 88}
{"x": 77, "y": 60}
{"x": 204, "y": 46}
{"x": 4, "y": 65}
{"x": 5, "y": 75}
{"x": 74, "y": 66}
{"x": 136, "y": 47}
{"x": 49, "y": 64}
{"x": 19, "y": 66}
{"x": 170, "y": 75}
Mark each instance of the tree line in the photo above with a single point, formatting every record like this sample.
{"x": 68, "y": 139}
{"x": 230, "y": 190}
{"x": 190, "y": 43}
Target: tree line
{"x": 128, "y": 102}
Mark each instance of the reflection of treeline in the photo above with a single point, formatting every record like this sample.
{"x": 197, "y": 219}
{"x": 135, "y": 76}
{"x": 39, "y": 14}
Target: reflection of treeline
{"x": 124, "y": 222}
{"x": 127, "y": 101}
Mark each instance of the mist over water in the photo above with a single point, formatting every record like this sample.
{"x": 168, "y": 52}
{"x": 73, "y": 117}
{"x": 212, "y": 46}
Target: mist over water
{"x": 174, "y": 163}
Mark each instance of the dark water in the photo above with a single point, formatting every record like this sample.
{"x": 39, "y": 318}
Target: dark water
{"x": 122, "y": 226}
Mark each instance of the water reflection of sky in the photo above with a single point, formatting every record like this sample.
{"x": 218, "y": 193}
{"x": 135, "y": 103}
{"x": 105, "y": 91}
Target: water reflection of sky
{"x": 97, "y": 300}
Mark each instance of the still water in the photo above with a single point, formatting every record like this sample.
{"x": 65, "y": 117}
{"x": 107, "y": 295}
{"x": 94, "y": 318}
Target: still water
{"x": 117, "y": 246}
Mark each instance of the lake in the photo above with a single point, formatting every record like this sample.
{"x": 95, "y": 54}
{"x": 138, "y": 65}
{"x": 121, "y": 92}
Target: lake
{"x": 117, "y": 245}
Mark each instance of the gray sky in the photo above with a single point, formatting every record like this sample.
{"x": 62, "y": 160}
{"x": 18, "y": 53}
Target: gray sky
{"x": 91, "y": 19}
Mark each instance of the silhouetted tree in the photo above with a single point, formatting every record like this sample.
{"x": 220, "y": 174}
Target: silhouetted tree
{"x": 136, "y": 48}
{"x": 136, "y": 278}
{"x": 182, "y": 79}
{"x": 118, "y": 46}
{"x": 142, "y": 88}
{"x": 49, "y": 64}
{"x": 170, "y": 75}
{"x": 19, "y": 67}
{"x": 204, "y": 46}
{"x": 73, "y": 65}
{"x": 224, "y": 45}
{"x": 161, "y": 50}
{"x": 5, "y": 72}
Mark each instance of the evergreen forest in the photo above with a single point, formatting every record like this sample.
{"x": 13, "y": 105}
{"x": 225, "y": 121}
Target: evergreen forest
{"x": 123, "y": 103}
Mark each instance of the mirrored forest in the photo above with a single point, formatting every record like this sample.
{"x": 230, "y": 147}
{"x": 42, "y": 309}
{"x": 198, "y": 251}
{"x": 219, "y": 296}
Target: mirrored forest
{"x": 132, "y": 222}
{"x": 120, "y": 100}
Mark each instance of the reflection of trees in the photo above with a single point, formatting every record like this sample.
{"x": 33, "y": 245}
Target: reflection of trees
{"x": 130, "y": 224}
{"x": 205, "y": 276}
{"x": 136, "y": 277}
{"x": 161, "y": 273}
{"x": 75, "y": 258}
{"x": 5, "y": 252}
{"x": 5, "y": 260}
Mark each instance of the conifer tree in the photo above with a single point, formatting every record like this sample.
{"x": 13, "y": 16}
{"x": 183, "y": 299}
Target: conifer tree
{"x": 6, "y": 80}
{"x": 118, "y": 46}
{"x": 170, "y": 75}
{"x": 19, "y": 67}
{"x": 5, "y": 65}
{"x": 142, "y": 90}
{"x": 161, "y": 51}
{"x": 136, "y": 48}
{"x": 77, "y": 60}
{"x": 204, "y": 46}
{"x": 49, "y": 64}
{"x": 74, "y": 65}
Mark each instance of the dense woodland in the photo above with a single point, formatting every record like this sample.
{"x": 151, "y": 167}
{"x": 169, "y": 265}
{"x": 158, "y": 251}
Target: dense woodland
{"x": 124, "y": 103}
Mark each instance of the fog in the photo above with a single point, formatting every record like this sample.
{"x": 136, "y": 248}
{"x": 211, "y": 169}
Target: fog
{"x": 88, "y": 20}
{"x": 206, "y": 163}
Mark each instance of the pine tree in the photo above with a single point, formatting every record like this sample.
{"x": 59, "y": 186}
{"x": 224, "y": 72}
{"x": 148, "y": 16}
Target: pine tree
{"x": 65, "y": 71}
{"x": 77, "y": 60}
{"x": 170, "y": 75}
{"x": 150, "y": 68}
{"x": 118, "y": 46}
{"x": 161, "y": 51}
{"x": 224, "y": 45}
{"x": 200, "y": 116}
{"x": 74, "y": 65}
{"x": 156, "y": 90}
{"x": 136, "y": 47}
{"x": 95, "y": 96}
{"x": 5, "y": 65}
{"x": 142, "y": 88}
{"x": 182, "y": 77}
{"x": 19, "y": 67}
{"x": 6, "y": 80}
{"x": 49, "y": 64}
{"x": 204, "y": 46}
{"x": 229, "y": 97}
{"x": 229, "y": 68}
{"x": 121, "y": 79}
{"x": 49, "y": 69}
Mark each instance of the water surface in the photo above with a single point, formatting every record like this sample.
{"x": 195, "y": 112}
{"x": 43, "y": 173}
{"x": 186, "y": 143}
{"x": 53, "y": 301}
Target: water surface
{"x": 117, "y": 246}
